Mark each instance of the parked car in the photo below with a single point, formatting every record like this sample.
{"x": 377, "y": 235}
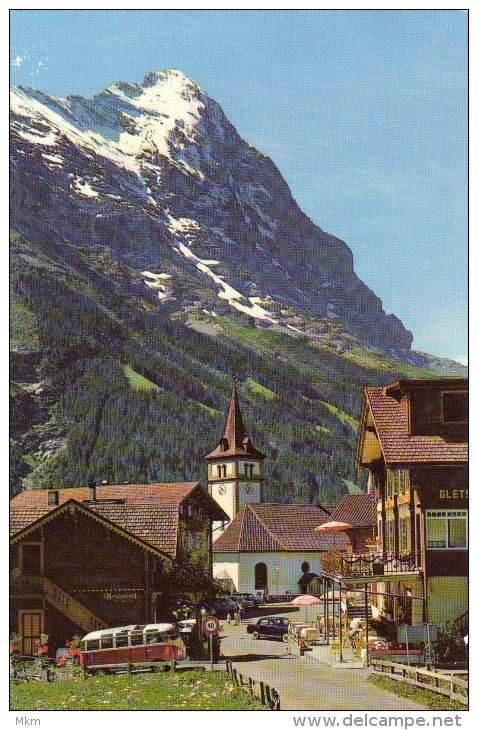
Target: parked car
{"x": 186, "y": 626}
{"x": 270, "y": 627}
{"x": 248, "y": 600}
{"x": 222, "y": 607}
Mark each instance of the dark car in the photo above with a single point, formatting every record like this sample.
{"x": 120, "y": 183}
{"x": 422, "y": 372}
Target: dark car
{"x": 222, "y": 607}
{"x": 272, "y": 627}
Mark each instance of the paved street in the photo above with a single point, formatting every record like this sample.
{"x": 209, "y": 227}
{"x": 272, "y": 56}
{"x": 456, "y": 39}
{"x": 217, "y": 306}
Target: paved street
{"x": 304, "y": 683}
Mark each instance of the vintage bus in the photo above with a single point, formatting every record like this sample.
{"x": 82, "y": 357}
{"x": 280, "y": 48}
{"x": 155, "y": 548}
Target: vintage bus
{"x": 151, "y": 646}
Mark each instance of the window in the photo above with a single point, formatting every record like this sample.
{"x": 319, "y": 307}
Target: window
{"x": 121, "y": 640}
{"x": 107, "y": 641}
{"x": 93, "y": 644}
{"x": 152, "y": 636}
{"x": 260, "y": 575}
{"x": 447, "y": 529}
{"x": 249, "y": 470}
{"x": 172, "y": 633}
{"x": 389, "y": 536}
{"x": 455, "y": 407}
{"x": 403, "y": 534}
{"x": 137, "y": 638}
{"x": 221, "y": 471}
{"x": 390, "y": 485}
{"x": 404, "y": 482}
{"x": 397, "y": 483}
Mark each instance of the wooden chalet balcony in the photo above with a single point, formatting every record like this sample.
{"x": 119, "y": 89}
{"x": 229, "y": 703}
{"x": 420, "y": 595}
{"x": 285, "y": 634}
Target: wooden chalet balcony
{"x": 380, "y": 565}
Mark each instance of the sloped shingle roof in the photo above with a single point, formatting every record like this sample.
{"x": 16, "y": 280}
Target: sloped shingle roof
{"x": 285, "y": 527}
{"x": 357, "y": 510}
{"x": 148, "y": 511}
{"x": 397, "y": 446}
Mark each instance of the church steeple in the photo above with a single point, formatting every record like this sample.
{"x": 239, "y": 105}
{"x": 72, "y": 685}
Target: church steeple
{"x": 235, "y": 441}
{"x": 235, "y": 466}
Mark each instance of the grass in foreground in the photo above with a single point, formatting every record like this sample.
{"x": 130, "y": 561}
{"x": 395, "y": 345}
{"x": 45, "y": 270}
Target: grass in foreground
{"x": 424, "y": 697}
{"x": 193, "y": 690}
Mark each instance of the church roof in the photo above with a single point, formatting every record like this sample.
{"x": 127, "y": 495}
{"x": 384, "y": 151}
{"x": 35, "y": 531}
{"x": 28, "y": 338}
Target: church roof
{"x": 235, "y": 441}
{"x": 278, "y": 527}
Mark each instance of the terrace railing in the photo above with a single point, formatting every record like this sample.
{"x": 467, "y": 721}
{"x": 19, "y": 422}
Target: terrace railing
{"x": 378, "y": 564}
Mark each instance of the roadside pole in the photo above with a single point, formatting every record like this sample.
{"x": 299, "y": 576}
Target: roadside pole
{"x": 340, "y": 622}
{"x": 406, "y": 644}
{"x": 366, "y": 624}
{"x": 210, "y": 626}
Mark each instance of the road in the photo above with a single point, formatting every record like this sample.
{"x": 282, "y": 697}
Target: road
{"x": 304, "y": 683}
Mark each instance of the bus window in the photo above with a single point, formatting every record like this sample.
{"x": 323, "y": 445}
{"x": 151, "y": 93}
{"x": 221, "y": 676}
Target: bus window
{"x": 122, "y": 639}
{"x": 92, "y": 644}
{"x": 171, "y": 633}
{"x": 152, "y": 637}
{"x": 107, "y": 641}
{"x": 136, "y": 638}
{"x": 83, "y": 646}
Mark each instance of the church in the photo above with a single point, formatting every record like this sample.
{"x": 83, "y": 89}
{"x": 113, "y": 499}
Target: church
{"x": 272, "y": 548}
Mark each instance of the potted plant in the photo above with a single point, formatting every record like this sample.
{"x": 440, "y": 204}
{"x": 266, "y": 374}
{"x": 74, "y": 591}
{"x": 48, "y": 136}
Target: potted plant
{"x": 74, "y": 645}
{"x": 42, "y": 644}
{"x": 14, "y": 642}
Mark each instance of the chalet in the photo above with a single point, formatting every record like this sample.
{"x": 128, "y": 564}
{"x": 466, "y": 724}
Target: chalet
{"x": 93, "y": 557}
{"x": 413, "y": 442}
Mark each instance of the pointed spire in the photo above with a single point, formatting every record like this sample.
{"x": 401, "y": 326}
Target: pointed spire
{"x": 234, "y": 431}
{"x": 235, "y": 441}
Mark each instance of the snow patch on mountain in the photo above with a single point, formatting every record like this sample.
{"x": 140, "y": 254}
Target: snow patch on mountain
{"x": 84, "y": 188}
{"x": 233, "y": 297}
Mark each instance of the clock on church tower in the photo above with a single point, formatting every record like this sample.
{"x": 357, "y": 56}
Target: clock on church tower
{"x": 235, "y": 467}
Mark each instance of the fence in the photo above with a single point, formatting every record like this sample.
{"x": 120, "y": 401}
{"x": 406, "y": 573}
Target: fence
{"x": 448, "y": 685}
{"x": 268, "y": 695}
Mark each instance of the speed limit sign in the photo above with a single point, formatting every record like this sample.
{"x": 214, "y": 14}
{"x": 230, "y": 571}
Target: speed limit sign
{"x": 210, "y": 625}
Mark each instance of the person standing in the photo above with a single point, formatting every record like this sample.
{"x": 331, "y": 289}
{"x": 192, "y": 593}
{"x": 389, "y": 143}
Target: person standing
{"x": 236, "y": 614}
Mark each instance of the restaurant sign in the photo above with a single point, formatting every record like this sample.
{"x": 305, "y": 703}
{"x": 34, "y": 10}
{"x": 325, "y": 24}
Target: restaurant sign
{"x": 118, "y": 597}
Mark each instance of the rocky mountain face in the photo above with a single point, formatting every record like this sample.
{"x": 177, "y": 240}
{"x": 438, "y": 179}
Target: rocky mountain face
{"x": 157, "y": 175}
{"x": 154, "y": 254}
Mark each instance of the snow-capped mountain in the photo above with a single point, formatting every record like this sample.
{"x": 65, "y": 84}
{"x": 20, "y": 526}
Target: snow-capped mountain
{"x": 201, "y": 221}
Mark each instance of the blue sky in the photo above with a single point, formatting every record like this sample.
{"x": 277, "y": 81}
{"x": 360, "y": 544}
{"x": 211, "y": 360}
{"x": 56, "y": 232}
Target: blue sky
{"x": 364, "y": 113}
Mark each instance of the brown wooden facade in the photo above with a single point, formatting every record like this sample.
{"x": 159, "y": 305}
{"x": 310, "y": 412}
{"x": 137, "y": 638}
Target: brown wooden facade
{"x": 413, "y": 441}
{"x": 78, "y": 566}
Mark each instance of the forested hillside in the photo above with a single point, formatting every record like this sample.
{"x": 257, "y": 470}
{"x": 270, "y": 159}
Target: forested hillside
{"x": 155, "y": 255}
{"x": 106, "y": 385}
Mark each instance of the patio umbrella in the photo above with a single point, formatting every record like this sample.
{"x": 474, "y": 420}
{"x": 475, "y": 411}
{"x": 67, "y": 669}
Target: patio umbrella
{"x": 307, "y": 599}
{"x": 333, "y": 526}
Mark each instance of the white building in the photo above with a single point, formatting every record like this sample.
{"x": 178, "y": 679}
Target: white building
{"x": 274, "y": 547}
{"x": 269, "y": 547}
